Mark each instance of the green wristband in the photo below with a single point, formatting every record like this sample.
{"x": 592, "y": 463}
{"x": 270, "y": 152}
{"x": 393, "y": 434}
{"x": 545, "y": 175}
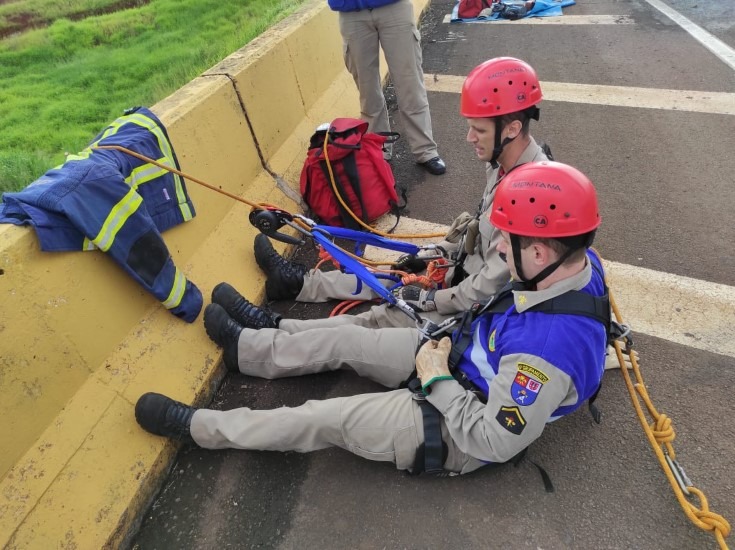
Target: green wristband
{"x": 425, "y": 387}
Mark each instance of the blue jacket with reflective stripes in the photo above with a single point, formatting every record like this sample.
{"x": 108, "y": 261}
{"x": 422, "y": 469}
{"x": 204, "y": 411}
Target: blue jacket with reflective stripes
{"x": 110, "y": 200}
{"x": 545, "y": 335}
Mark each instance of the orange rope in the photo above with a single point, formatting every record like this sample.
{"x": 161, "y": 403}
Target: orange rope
{"x": 345, "y": 306}
{"x": 434, "y": 277}
{"x": 259, "y": 206}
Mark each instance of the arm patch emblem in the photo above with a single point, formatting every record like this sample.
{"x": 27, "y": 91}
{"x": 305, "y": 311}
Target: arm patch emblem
{"x": 527, "y": 384}
{"x": 511, "y": 419}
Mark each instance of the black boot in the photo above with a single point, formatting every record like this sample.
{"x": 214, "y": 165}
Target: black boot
{"x": 241, "y": 310}
{"x": 161, "y": 415}
{"x": 285, "y": 279}
{"x": 225, "y": 332}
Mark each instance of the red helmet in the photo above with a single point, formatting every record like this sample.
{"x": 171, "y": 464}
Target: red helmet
{"x": 499, "y": 86}
{"x": 545, "y": 199}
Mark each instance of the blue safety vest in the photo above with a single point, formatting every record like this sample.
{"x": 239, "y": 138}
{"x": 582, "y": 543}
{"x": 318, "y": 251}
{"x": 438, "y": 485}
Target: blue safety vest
{"x": 109, "y": 200}
{"x": 356, "y": 5}
{"x": 575, "y": 344}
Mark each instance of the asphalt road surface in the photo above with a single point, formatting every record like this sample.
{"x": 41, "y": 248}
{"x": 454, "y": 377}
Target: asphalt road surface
{"x": 664, "y": 169}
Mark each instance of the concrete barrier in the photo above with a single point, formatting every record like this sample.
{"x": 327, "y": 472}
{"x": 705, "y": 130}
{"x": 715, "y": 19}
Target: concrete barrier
{"x": 80, "y": 341}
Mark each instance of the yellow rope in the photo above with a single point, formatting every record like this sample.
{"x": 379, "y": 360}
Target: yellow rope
{"x": 660, "y": 433}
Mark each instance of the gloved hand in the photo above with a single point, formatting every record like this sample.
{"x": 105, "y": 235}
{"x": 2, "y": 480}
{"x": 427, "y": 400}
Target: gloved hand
{"x": 611, "y": 359}
{"x": 416, "y": 297}
{"x": 432, "y": 362}
{"x": 410, "y": 263}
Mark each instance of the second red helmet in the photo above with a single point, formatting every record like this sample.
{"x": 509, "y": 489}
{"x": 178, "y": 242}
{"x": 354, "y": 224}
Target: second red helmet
{"x": 498, "y": 87}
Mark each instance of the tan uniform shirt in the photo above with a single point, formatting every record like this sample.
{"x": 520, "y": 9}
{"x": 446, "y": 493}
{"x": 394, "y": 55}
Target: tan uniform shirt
{"x": 486, "y": 272}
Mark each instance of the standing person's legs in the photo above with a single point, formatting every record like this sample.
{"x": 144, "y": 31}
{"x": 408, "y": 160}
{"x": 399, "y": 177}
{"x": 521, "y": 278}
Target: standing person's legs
{"x": 401, "y": 44}
{"x": 362, "y": 58}
{"x": 386, "y": 356}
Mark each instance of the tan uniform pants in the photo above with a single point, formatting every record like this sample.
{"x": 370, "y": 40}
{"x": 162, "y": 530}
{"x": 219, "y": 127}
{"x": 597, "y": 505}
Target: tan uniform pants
{"x": 380, "y": 426}
{"x": 393, "y": 28}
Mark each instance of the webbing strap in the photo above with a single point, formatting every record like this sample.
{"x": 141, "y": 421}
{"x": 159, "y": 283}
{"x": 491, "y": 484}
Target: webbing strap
{"x": 349, "y": 164}
{"x": 433, "y": 447}
{"x": 464, "y": 331}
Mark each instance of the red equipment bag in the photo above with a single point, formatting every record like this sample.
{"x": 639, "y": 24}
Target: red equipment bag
{"x": 362, "y": 177}
{"x": 469, "y": 9}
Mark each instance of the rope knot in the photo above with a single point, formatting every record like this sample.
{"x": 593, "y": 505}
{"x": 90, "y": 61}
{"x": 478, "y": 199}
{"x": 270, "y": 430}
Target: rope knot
{"x": 662, "y": 429}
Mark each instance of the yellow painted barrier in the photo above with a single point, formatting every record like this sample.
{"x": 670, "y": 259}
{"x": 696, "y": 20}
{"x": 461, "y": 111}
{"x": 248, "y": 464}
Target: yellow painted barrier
{"x": 80, "y": 341}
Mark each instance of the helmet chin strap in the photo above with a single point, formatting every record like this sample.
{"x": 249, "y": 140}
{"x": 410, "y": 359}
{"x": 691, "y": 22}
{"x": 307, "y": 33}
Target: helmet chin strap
{"x": 530, "y": 284}
{"x": 498, "y": 149}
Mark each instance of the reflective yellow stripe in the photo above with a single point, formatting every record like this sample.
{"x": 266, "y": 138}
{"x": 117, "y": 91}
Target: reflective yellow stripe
{"x": 116, "y": 219}
{"x": 88, "y": 245}
{"x": 177, "y": 291}
{"x": 140, "y": 175}
{"x": 163, "y": 144}
{"x": 84, "y": 153}
{"x": 79, "y": 156}
{"x": 111, "y": 130}
{"x": 143, "y": 174}
{"x": 165, "y": 147}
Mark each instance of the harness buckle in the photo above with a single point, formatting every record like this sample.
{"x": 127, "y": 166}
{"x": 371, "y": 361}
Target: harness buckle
{"x": 418, "y": 396}
{"x": 619, "y": 331}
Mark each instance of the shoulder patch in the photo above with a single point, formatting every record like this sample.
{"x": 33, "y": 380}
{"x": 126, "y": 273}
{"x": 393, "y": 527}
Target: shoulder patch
{"x": 491, "y": 341}
{"x": 511, "y": 419}
{"x": 527, "y": 384}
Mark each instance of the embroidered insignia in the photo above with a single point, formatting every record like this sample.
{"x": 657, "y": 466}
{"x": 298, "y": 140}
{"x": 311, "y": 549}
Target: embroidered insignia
{"x": 511, "y": 419}
{"x": 522, "y": 299}
{"x": 491, "y": 341}
{"x": 527, "y": 384}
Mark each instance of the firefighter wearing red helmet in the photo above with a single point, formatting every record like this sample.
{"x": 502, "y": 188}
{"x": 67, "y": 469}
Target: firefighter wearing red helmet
{"x": 544, "y": 205}
{"x": 523, "y": 359}
{"x": 499, "y": 99}
{"x": 505, "y": 93}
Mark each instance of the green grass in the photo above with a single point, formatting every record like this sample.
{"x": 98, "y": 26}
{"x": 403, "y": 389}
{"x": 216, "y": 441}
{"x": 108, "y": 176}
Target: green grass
{"x": 60, "y": 85}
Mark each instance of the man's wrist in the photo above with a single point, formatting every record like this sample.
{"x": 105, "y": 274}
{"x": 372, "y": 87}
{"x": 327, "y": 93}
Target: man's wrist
{"x": 426, "y": 388}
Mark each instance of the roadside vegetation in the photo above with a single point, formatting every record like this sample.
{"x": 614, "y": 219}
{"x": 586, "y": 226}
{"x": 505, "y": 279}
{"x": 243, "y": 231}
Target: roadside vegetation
{"x": 80, "y": 67}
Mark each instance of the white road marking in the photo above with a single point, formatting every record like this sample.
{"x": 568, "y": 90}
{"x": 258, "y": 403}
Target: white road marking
{"x": 645, "y": 98}
{"x": 687, "y": 311}
{"x": 563, "y": 20}
{"x": 713, "y": 44}
{"x": 679, "y": 309}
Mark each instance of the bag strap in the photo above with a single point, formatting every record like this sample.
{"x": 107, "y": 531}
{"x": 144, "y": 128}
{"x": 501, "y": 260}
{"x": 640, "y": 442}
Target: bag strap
{"x": 347, "y": 219}
{"x": 349, "y": 164}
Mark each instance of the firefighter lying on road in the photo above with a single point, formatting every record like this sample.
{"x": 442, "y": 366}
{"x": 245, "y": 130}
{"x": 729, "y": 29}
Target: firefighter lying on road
{"x": 480, "y": 397}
